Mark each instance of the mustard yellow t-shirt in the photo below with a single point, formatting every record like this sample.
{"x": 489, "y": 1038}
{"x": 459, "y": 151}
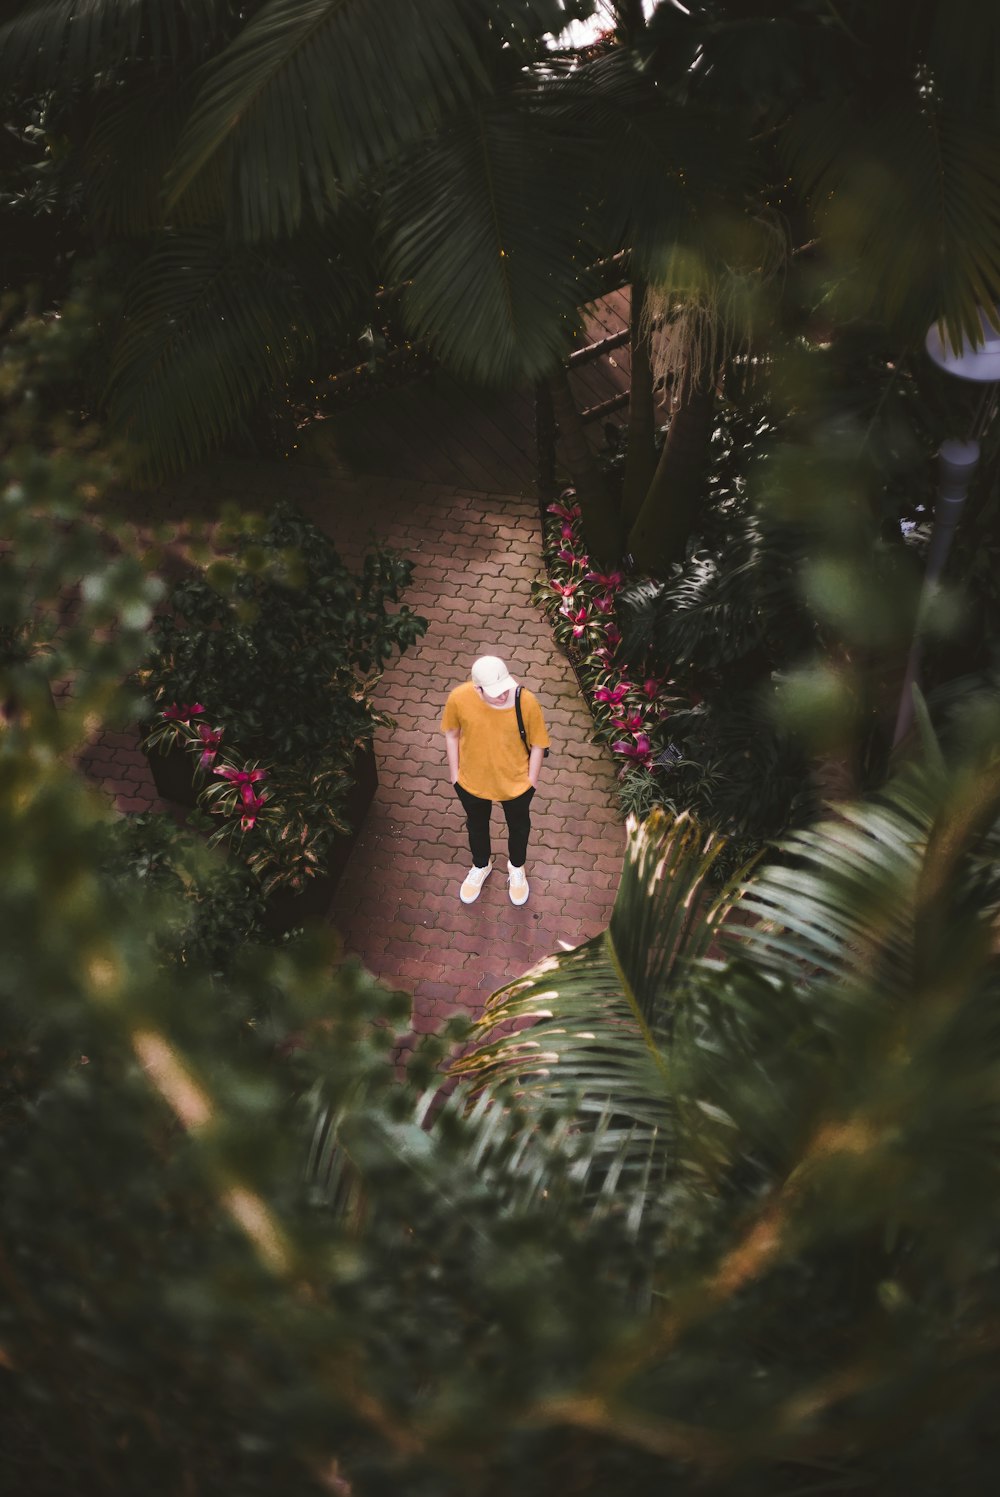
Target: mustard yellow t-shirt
{"x": 492, "y": 762}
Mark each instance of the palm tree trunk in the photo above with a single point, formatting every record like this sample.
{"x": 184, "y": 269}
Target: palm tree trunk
{"x": 640, "y": 453}
{"x": 669, "y": 511}
{"x": 599, "y": 519}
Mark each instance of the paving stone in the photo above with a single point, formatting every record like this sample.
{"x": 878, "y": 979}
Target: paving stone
{"x": 133, "y": 803}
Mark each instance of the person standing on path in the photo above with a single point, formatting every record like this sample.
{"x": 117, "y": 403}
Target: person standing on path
{"x": 489, "y": 760}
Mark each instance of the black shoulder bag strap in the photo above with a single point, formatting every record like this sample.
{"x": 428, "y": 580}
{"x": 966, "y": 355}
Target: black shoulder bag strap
{"x": 520, "y": 721}
{"x": 520, "y": 725}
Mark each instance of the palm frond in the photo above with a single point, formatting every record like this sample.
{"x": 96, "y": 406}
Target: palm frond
{"x": 844, "y": 904}
{"x": 599, "y": 1016}
{"x": 207, "y": 327}
{"x": 489, "y": 227}
{"x": 853, "y": 1025}
{"x": 722, "y": 605}
{"x": 128, "y": 153}
{"x": 842, "y": 900}
{"x": 82, "y": 40}
{"x": 300, "y": 99}
{"x": 691, "y": 1065}
{"x": 521, "y": 1164}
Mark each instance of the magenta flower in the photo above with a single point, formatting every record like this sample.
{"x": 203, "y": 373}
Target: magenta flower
{"x": 651, "y": 686}
{"x": 604, "y": 603}
{"x": 244, "y": 780}
{"x": 570, "y": 512}
{"x": 210, "y": 738}
{"x": 251, "y": 805}
{"x": 241, "y": 777}
{"x": 565, "y": 590}
{"x": 611, "y": 694}
{"x": 630, "y": 724}
{"x": 610, "y": 580}
{"x": 612, "y": 635}
{"x": 570, "y": 559}
{"x": 579, "y": 620}
{"x": 639, "y": 750}
{"x": 183, "y": 713}
{"x": 566, "y": 531}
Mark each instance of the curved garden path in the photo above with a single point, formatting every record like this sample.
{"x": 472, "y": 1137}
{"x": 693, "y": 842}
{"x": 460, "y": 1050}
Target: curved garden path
{"x": 475, "y": 556}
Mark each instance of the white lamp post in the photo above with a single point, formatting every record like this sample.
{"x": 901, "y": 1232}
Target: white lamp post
{"x": 957, "y": 462}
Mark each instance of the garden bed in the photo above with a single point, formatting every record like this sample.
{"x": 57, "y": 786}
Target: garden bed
{"x": 263, "y": 677}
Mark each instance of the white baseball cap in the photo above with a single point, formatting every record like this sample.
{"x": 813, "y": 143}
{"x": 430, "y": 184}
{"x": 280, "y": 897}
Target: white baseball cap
{"x": 492, "y": 677}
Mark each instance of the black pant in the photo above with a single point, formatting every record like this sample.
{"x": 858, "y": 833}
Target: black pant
{"x": 477, "y": 817}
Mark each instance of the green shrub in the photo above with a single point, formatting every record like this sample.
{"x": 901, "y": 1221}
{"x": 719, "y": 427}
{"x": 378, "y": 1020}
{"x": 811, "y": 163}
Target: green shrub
{"x": 286, "y": 648}
{"x": 207, "y": 906}
{"x": 268, "y": 666}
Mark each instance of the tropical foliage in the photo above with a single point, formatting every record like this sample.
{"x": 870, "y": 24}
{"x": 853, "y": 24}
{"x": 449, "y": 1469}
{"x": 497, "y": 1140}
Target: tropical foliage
{"x": 679, "y": 674}
{"x": 805, "y": 562}
{"x": 719, "y": 1213}
{"x": 286, "y": 645}
{"x": 725, "y": 625}
{"x": 293, "y": 156}
{"x": 712, "y": 1203}
{"x": 215, "y": 905}
{"x": 631, "y": 708}
{"x": 280, "y": 640}
{"x": 775, "y": 1082}
{"x": 283, "y": 820}
{"x": 234, "y": 287}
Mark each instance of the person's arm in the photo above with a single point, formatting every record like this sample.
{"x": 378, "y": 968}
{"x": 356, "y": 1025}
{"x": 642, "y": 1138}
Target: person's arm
{"x": 451, "y": 737}
{"x": 535, "y": 764}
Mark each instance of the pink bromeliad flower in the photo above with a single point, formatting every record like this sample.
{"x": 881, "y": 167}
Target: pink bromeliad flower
{"x": 565, "y": 590}
{"x": 566, "y": 512}
{"x": 241, "y": 777}
{"x": 612, "y": 694}
{"x": 651, "y": 686}
{"x": 210, "y": 738}
{"x": 579, "y": 620}
{"x": 611, "y": 580}
{"x": 612, "y": 635}
{"x": 571, "y": 559}
{"x": 604, "y": 603}
{"x": 251, "y": 805}
{"x": 639, "y": 750}
{"x": 244, "y": 780}
{"x": 630, "y": 724}
{"x": 183, "y": 713}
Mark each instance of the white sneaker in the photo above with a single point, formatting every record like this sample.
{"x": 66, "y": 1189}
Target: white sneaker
{"x": 474, "y": 881}
{"x": 517, "y": 884}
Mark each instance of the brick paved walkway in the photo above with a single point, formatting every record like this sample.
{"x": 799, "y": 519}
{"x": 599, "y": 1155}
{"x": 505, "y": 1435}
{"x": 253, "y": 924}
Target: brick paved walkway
{"x": 475, "y": 558}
